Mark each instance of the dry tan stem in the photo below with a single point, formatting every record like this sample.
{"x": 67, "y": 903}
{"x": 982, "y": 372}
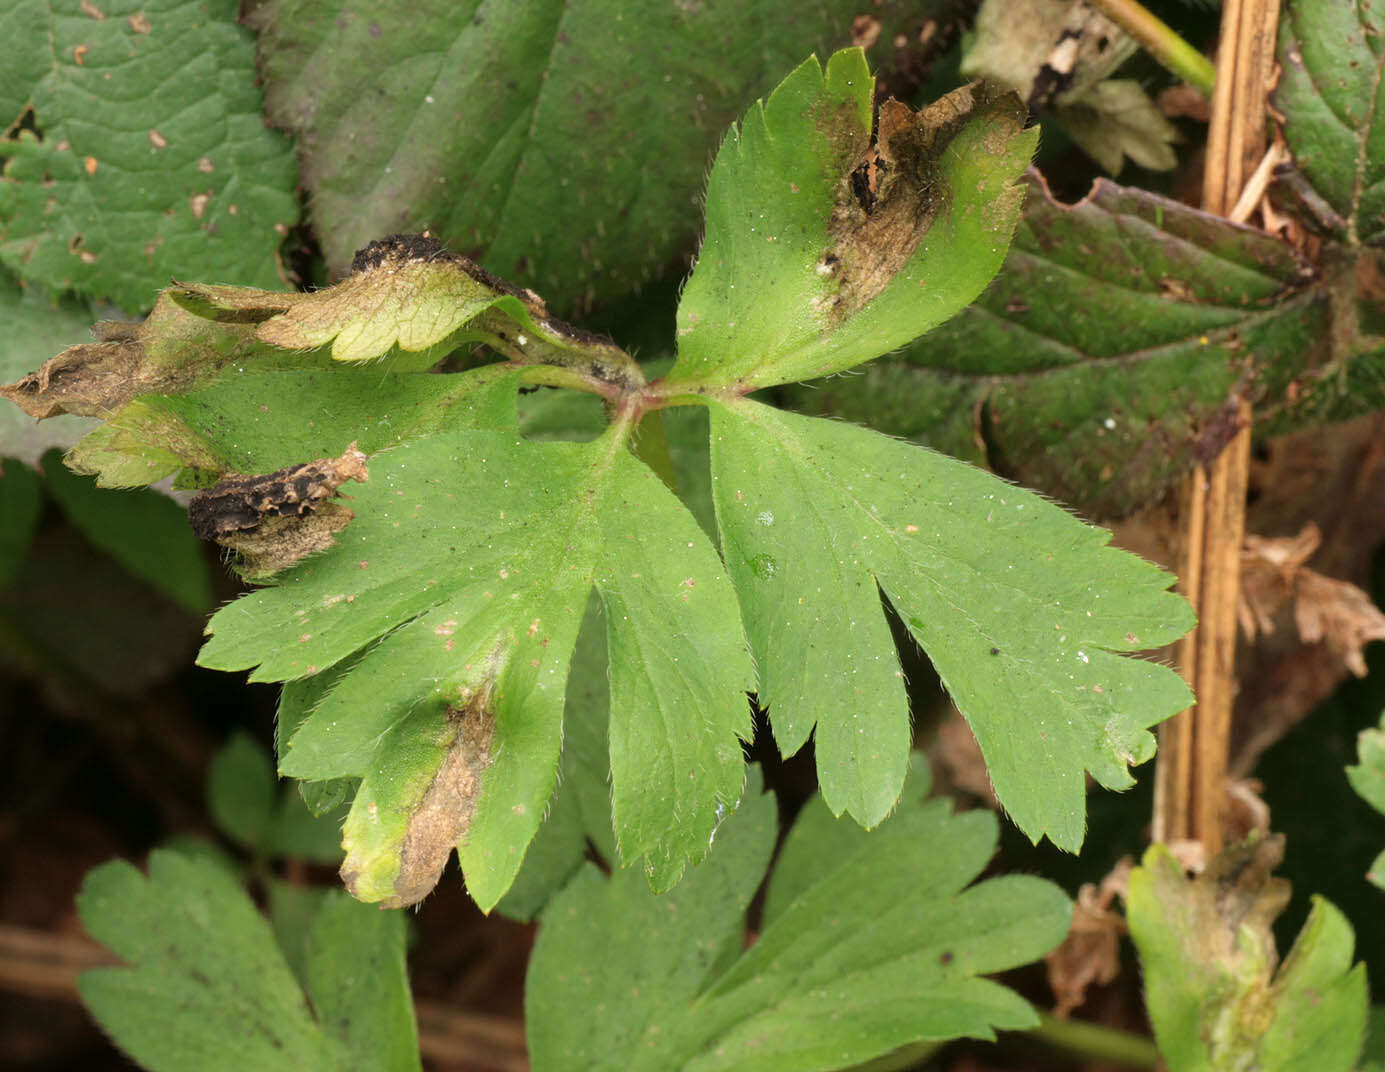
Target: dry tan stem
{"x": 1191, "y": 783}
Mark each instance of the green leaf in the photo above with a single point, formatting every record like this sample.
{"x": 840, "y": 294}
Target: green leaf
{"x": 584, "y": 1003}
{"x": 1019, "y": 605}
{"x": 355, "y": 974}
{"x": 1330, "y": 96}
{"x": 876, "y": 947}
{"x": 509, "y": 538}
{"x": 1214, "y": 993}
{"x": 144, "y": 531}
{"x": 581, "y": 806}
{"x": 1098, "y": 364}
{"x": 801, "y": 273}
{"x": 205, "y": 987}
{"x": 240, "y": 791}
{"x": 149, "y": 155}
{"x": 508, "y": 130}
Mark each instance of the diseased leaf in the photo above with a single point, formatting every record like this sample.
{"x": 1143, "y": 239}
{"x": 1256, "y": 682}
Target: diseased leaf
{"x": 481, "y": 607}
{"x": 507, "y": 131}
{"x": 36, "y": 327}
{"x": 823, "y": 251}
{"x": 877, "y": 945}
{"x": 1213, "y": 985}
{"x": 1020, "y": 606}
{"x": 1099, "y": 364}
{"x": 148, "y": 155}
{"x": 406, "y": 295}
{"x": 1330, "y": 95}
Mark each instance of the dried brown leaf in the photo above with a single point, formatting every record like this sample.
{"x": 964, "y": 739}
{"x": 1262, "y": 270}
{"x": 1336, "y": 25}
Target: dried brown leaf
{"x": 1090, "y": 954}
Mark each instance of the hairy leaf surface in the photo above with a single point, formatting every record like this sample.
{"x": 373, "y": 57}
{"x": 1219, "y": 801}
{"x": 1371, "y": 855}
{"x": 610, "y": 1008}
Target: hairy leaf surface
{"x": 876, "y": 946}
{"x": 481, "y": 603}
{"x": 823, "y": 251}
{"x": 1020, "y": 606}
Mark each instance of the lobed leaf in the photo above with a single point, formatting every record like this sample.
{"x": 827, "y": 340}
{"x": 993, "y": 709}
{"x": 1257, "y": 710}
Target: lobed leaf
{"x": 875, "y": 947}
{"x": 1214, "y": 990}
{"x": 823, "y": 251}
{"x": 207, "y": 987}
{"x": 147, "y": 152}
{"x": 478, "y": 611}
{"x": 1020, "y": 606}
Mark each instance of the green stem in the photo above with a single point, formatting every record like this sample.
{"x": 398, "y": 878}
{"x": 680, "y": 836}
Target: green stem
{"x": 1097, "y": 1043}
{"x": 1161, "y": 42}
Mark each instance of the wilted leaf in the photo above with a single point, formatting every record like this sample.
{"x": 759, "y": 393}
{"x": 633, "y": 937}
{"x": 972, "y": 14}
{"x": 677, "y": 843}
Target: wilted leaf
{"x": 1214, "y": 987}
{"x": 1058, "y": 56}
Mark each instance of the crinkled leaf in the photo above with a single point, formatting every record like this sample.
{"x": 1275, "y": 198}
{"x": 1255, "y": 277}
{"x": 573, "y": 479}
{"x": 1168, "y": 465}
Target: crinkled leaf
{"x": 1213, "y": 986}
{"x": 876, "y": 947}
{"x": 1020, "y": 606}
{"x": 481, "y": 604}
{"x": 407, "y": 295}
{"x": 823, "y": 251}
{"x": 507, "y": 130}
{"x": 232, "y": 379}
{"x": 149, "y": 156}
{"x": 205, "y": 987}
{"x": 1098, "y": 364}
{"x": 1330, "y": 95}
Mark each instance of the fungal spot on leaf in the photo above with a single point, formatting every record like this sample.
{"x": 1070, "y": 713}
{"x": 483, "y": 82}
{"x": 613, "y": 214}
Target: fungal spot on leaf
{"x": 278, "y": 519}
{"x": 443, "y": 815}
{"x": 894, "y": 193}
